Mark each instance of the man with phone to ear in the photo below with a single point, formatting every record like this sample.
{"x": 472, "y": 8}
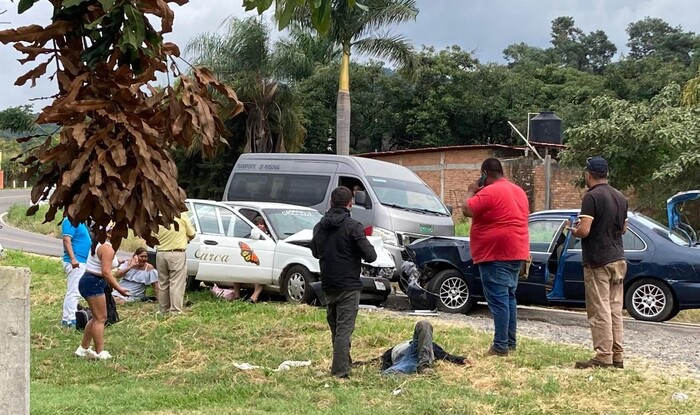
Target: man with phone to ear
{"x": 499, "y": 243}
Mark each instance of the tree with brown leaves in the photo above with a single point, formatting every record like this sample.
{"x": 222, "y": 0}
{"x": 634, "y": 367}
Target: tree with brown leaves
{"x": 112, "y": 161}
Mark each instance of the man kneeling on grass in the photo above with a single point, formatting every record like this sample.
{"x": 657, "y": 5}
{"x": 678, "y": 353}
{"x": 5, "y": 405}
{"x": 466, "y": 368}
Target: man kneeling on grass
{"x": 418, "y": 354}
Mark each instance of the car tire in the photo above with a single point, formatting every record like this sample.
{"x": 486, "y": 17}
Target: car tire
{"x": 295, "y": 285}
{"x": 649, "y": 300}
{"x": 193, "y": 284}
{"x": 452, "y": 292}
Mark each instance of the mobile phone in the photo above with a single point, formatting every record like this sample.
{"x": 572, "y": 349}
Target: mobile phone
{"x": 482, "y": 179}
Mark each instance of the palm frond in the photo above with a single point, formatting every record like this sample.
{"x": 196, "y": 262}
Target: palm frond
{"x": 396, "y": 48}
{"x": 383, "y": 13}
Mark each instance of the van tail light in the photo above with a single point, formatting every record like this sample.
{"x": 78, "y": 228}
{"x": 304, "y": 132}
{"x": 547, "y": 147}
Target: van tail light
{"x": 368, "y": 231}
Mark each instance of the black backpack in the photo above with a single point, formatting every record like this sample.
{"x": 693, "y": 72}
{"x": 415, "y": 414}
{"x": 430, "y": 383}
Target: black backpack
{"x": 82, "y": 316}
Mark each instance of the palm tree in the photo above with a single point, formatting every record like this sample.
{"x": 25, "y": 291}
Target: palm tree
{"x": 355, "y": 27}
{"x": 243, "y": 58}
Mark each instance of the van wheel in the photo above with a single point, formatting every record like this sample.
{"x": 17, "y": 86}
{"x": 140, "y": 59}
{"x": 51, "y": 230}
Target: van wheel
{"x": 452, "y": 291}
{"x": 295, "y": 287}
{"x": 192, "y": 283}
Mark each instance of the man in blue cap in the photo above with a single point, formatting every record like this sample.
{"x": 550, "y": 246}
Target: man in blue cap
{"x": 601, "y": 224}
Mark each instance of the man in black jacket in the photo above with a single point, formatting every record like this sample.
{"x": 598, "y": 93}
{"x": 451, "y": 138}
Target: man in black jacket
{"x": 340, "y": 244}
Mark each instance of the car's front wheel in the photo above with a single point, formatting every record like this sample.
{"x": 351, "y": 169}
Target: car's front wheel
{"x": 296, "y": 285}
{"x": 649, "y": 300}
{"x": 452, "y": 291}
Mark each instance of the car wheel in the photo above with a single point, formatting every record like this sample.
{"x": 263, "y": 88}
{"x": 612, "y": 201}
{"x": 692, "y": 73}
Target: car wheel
{"x": 649, "y": 300}
{"x": 296, "y": 287}
{"x": 452, "y": 291}
{"x": 192, "y": 283}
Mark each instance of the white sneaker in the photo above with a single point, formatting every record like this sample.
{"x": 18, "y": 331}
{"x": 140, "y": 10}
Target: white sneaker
{"x": 103, "y": 355}
{"x": 82, "y": 352}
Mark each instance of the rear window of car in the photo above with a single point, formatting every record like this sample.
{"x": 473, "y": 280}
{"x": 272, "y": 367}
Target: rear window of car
{"x": 303, "y": 190}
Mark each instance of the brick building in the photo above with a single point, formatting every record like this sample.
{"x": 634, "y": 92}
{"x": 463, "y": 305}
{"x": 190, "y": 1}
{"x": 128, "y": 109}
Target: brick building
{"x": 449, "y": 170}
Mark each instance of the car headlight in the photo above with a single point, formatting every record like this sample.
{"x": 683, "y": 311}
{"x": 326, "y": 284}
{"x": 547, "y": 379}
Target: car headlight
{"x": 388, "y": 237}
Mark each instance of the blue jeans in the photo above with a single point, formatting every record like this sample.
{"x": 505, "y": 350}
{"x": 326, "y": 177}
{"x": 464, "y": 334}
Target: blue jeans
{"x": 500, "y": 279}
{"x": 419, "y": 353}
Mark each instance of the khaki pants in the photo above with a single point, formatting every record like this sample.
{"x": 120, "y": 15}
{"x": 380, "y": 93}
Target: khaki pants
{"x": 604, "y": 298}
{"x": 172, "y": 278}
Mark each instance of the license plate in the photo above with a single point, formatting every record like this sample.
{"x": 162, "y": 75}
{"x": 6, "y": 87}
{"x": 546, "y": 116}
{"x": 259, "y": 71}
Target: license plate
{"x": 380, "y": 285}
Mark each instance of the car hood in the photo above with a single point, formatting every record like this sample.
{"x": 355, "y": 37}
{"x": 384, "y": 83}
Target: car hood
{"x": 439, "y": 248}
{"x": 384, "y": 257}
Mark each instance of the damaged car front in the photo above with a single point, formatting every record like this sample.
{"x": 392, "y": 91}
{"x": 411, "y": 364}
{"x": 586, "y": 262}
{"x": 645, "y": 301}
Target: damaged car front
{"x": 440, "y": 274}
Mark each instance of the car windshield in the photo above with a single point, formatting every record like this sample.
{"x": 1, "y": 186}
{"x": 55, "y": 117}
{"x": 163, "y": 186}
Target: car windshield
{"x": 287, "y": 222}
{"x": 675, "y": 236}
{"x": 405, "y": 195}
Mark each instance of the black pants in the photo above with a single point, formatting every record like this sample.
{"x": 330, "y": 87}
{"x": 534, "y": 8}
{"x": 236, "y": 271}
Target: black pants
{"x": 341, "y": 313}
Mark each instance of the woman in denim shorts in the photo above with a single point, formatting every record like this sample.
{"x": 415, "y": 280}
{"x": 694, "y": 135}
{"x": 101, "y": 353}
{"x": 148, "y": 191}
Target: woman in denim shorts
{"x": 98, "y": 274}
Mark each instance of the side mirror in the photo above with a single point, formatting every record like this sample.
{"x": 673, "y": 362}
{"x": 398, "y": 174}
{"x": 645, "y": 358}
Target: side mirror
{"x": 449, "y": 209}
{"x": 256, "y": 233}
{"x": 361, "y": 198}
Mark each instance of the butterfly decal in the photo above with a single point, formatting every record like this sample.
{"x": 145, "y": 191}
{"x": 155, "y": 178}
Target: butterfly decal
{"x": 248, "y": 254}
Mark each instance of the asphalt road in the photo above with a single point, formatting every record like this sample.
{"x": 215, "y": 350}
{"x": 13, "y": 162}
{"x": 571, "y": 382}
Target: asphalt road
{"x": 12, "y": 238}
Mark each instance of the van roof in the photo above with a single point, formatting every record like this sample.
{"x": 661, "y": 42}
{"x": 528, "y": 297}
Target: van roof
{"x": 370, "y": 167}
{"x": 267, "y": 205}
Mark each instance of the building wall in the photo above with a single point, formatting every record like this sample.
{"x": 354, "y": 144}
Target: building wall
{"x": 449, "y": 173}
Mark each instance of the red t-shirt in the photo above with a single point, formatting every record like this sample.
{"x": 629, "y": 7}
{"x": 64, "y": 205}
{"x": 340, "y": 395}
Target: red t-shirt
{"x": 499, "y": 230}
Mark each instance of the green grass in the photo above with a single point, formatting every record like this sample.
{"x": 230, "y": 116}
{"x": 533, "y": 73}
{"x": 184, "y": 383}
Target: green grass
{"x": 17, "y": 217}
{"x": 184, "y": 365}
{"x": 462, "y": 227}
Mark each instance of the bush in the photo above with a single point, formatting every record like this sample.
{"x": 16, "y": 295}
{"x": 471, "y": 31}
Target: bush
{"x": 462, "y": 227}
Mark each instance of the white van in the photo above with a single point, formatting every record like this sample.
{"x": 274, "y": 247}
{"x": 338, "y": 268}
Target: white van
{"x": 391, "y": 201}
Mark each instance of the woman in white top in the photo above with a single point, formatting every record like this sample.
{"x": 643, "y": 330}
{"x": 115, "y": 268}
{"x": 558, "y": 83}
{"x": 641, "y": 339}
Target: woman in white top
{"x": 98, "y": 273}
{"x": 136, "y": 275}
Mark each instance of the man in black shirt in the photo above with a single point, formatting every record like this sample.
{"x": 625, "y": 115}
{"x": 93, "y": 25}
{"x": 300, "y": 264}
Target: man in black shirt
{"x": 602, "y": 222}
{"x": 340, "y": 244}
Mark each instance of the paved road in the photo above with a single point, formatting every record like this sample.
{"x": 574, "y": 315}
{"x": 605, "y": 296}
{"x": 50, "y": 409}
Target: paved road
{"x": 17, "y": 239}
{"x": 12, "y": 238}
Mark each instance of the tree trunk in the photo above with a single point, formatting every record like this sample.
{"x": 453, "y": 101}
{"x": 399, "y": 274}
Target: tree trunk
{"x": 342, "y": 129}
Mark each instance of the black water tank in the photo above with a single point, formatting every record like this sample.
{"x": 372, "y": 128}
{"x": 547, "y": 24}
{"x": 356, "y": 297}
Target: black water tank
{"x": 546, "y": 128}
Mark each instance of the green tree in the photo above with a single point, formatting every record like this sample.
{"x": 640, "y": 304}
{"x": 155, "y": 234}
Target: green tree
{"x": 655, "y": 37}
{"x": 243, "y": 58}
{"x": 358, "y": 29}
{"x": 650, "y": 146}
{"x": 585, "y": 52}
{"x": 17, "y": 119}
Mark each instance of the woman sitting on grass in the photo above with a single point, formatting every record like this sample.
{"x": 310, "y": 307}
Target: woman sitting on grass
{"x": 98, "y": 273}
{"x": 136, "y": 275}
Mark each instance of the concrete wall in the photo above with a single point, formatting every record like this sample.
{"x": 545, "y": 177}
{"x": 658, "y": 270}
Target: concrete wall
{"x": 14, "y": 340}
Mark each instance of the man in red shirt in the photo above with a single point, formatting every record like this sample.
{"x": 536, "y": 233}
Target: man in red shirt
{"x": 499, "y": 244}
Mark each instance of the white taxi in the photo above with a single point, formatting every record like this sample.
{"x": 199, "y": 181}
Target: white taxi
{"x": 229, "y": 249}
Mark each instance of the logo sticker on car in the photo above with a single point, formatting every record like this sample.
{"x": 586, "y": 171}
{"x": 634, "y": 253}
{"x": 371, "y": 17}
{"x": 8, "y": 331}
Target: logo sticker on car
{"x": 248, "y": 254}
{"x": 426, "y": 228}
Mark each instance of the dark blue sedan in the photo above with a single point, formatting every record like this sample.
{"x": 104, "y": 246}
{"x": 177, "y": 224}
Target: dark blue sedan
{"x": 663, "y": 275}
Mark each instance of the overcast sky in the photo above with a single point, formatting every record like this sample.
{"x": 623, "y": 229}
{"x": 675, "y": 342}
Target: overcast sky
{"x": 483, "y": 26}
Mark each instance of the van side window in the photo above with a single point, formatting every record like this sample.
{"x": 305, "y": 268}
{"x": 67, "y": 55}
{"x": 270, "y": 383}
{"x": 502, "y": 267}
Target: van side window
{"x": 304, "y": 190}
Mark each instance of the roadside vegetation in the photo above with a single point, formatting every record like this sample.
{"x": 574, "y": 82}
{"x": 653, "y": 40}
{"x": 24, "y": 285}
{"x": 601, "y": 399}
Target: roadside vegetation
{"x": 186, "y": 365}
{"x": 17, "y": 217}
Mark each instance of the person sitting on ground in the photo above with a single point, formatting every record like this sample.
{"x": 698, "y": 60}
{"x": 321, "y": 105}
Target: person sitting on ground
{"x": 136, "y": 275}
{"x": 257, "y": 290}
{"x": 417, "y": 354}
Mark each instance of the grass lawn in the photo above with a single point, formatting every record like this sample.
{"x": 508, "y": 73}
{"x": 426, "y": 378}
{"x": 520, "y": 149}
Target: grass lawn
{"x": 184, "y": 365}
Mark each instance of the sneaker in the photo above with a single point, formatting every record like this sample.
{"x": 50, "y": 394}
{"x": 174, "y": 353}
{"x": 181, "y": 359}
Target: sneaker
{"x": 494, "y": 352}
{"x": 103, "y": 355}
{"x": 68, "y": 323}
{"x": 425, "y": 370}
{"x": 591, "y": 363}
{"x": 619, "y": 365}
{"x": 82, "y": 352}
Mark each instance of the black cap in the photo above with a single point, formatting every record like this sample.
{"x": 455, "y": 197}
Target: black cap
{"x": 597, "y": 164}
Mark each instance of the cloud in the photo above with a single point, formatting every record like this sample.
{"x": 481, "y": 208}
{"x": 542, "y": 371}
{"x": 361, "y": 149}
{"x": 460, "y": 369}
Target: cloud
{"x": 484, "y": 26}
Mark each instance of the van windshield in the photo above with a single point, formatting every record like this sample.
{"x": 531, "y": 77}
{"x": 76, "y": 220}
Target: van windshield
{"x": 407, "y": 196}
